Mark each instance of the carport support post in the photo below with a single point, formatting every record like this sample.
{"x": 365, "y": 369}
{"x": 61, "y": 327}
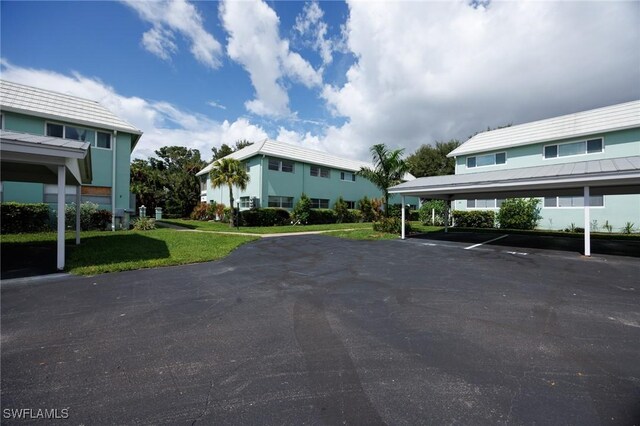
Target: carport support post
{"x": 78, "y": 189}
{"x": 61, "y": 200}
{"x": 587, "y": 223}
{"x": 446, "y": 215}
{"x": 402, "y": 232}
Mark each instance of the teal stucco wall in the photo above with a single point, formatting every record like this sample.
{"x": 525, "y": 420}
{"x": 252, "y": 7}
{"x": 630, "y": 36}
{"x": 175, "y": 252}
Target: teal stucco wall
{"x": 617, "y": 209}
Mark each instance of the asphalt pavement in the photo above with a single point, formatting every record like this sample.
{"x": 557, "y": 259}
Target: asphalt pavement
{"x": 320, "y": 330}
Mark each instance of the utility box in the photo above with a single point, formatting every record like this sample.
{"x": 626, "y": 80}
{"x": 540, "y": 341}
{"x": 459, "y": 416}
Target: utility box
{"x": 143, "y": 211}
{"x": 158, "y": 213}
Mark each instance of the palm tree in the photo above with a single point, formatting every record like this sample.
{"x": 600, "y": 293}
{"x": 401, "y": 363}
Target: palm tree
{"x": 389, "y": 169}
{"x": 230, "y": 172}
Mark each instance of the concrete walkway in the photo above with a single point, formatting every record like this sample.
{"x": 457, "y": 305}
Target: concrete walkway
{"x": 281, "y": 234}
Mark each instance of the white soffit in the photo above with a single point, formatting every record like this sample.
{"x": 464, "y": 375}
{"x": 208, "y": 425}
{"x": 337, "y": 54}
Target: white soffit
{"x": 592, "y": 122}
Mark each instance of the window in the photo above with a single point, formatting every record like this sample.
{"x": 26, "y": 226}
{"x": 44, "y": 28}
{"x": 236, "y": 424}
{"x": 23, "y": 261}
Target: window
{"x": 490, "y": 203}
{"x": 319, "y": 171}
{"x": 348, "y": 176}
{"x": 245, "y": 202}
{"x": 282, "y": 202}
{"x": 319, "y": 203}
{"x": 591, "y": 146}
{"x": 103, "y": 140}
{"x": 573, "y": 201}
{"x": 351, "y": 204}
{"x": 487, "y": 160}
{"x": 280, "y": 165}
{"x": 1, "y": 121}
{"x": 55, "y": 130}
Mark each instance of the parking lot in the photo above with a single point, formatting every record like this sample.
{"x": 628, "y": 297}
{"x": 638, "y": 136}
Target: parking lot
{"x": 316, "y": 329}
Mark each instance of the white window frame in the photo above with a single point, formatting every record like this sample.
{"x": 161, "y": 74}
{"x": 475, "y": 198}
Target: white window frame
{"x": 280, "y": 203}
{"x": 475, "y": 200}
{"x": 319, "y": 173}
{"x": 316, "y": 203}
{"x": 343, "y": 175}
{"x": 557, "y": 145}
{"x": 94, "y": 143}
{"x": 245, "y": 202}
{"x": 495, "y": 163}
{"x": 558, "y": 206}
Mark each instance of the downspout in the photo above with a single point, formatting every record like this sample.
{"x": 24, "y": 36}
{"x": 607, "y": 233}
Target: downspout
{"x": 113, "y": 181}
{"x": 261, "y": 189}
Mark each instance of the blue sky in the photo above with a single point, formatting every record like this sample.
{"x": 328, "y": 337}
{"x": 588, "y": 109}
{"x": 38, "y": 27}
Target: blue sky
{"x": 333, "y": 76}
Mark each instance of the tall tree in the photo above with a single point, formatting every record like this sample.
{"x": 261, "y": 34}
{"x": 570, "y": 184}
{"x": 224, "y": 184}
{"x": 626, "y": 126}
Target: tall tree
{"x": 168, "y": 181}
{"x": 225, "y": 149}
{"x": 389, "y": 169}
{"x": 432, "y": 160}
{"x": 229, "y": 172}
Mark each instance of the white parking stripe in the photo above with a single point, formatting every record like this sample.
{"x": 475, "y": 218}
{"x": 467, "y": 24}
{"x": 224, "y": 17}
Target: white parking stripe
{"x": 486, "y": 242}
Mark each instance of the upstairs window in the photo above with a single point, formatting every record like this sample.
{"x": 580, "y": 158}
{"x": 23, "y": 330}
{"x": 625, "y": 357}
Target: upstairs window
{"x": 95, "y": 138}
{"x": 55, "y": 130}
{"x": 319, "y": 203}
{"x": 103, "y": 140}
{"x": 319, "y": 171}
{"x": 279, "y": 165}
{"x": 348, "y": 176}
{"x": 591, "y": 146}
{"x": 487, "y": 160}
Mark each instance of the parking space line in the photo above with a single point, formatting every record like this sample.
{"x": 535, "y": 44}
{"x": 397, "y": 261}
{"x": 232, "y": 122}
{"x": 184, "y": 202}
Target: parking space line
{"x": 486, "y": 242}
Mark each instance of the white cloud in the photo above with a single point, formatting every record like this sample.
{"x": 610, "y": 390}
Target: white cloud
{"x": 176, "y": 16}
{"x": 216, "y": 105}
{"x": 310, "y": 24}
{"x": 255, "y": 43}
{"x": 429, "y": 71}
{"x": 162, "y": 123}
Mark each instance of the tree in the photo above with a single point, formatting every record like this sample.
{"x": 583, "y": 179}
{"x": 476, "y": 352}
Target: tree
{"x": 225, "y": 149}
{"x": 230, "y": 172}
{"x": 389, "y": 169}
{"x": 432, "y": 160}
{"x": 168, "y": 181}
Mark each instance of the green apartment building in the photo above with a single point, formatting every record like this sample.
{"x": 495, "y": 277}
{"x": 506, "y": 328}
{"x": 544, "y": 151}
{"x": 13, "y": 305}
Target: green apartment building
{"x": 280, "y": 173}
{"x": 33, "y": 118}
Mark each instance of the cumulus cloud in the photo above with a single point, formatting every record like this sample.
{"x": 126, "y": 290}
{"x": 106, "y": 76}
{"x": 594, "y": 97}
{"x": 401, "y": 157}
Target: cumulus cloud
{"x": 309, "y": 24}
{"x": 429, "y": 71}
{"x": 169, "y": 17}
{"x": 162, "y": 123}
{"x": 254, "y": 42}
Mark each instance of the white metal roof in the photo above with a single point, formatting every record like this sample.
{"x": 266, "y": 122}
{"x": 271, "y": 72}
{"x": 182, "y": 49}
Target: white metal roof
{"x": 287, "y": 151}
{"x": 526, "y": 181}
{"x": 592, "y": 122}
{"x": 59, "y": 106}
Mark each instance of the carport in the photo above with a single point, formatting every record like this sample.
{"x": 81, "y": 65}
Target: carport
{"x": 595, "y": 177}
{"x": 44, "y": 159}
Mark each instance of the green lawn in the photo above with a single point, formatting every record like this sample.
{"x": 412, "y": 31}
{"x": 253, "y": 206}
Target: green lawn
{"x": 224, "y": 227}
{"x": 105, "y": 251}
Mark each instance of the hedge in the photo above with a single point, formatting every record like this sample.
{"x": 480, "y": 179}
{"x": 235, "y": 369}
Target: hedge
{"x": 474, "y": 218}
{"x": 19, "y": 217}
{"x": 265, "y": 217}
{"x": 391, "y": 225}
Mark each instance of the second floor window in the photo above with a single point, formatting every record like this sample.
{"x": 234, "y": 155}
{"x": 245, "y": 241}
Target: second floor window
{"x": 319, "y": 171}
{"x": 591, "y": 146}
{"x": 279, "y": 165}
{"x": 95, "y": 138}
{"x": 487, "y": 160}
{"x": 348, "y": 176}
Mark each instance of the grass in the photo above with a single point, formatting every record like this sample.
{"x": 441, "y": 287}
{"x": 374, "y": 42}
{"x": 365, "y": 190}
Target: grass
{"x": 101, "y": 252}
{"x": 224, "y": 227}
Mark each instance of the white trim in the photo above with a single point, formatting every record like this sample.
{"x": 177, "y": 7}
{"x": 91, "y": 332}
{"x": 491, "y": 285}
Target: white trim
{"x": 557, "y": 157}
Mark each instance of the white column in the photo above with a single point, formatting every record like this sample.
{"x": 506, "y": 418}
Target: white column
{"x": 61, "y": 214}
{"x": 587, "y": 223}
{"x": 402, "y": 198}
{"x": 78, "y": 201}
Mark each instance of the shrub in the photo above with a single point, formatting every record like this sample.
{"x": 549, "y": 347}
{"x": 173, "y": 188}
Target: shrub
{"x": 391, "y": 225}
{"x": 425, "y": 213}
{"x": 264, "y": 217}
{"x": 204, "y": 211}
{"x": 628, "y": 228}
{"x": 100, "y": 219}
{"x": 20, "y": 217}
{"x": 474, "y": 218}
{"x": 519, "y": 213}
{"x": 341, "y": 210}
{"x": 355, "y": 216}
{"x": 377, "y": 206}
{"x": 395, "y": 210}
{"x": 302, "y": 210}
{"x": 219, "y": 209}
{"x": 144, "y": 224}
{"x": 366, "y": 209}
{"x": 322, "y": 216}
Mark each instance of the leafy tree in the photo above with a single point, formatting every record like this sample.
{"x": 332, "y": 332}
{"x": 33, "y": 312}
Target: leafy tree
{"x": 432, "y": 160}
{"x": 230, "y": 172}
{"x": 225, "y": 149}
{"x": 389, "y": 169}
